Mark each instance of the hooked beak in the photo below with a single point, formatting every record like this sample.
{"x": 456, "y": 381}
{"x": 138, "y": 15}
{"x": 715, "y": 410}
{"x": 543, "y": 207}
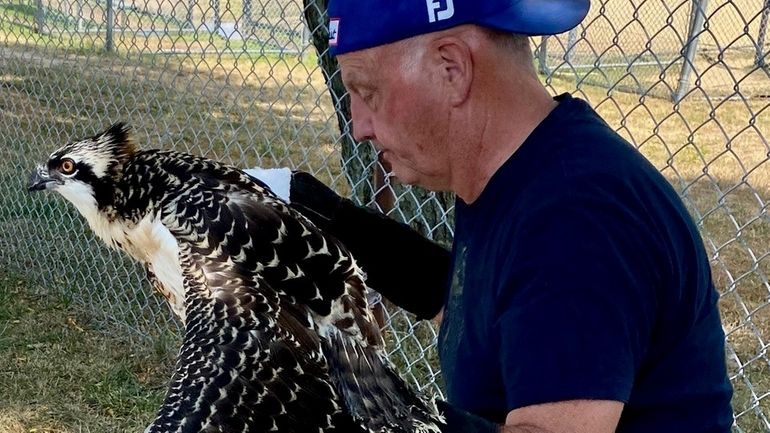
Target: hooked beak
{"x": 40, "y": 179}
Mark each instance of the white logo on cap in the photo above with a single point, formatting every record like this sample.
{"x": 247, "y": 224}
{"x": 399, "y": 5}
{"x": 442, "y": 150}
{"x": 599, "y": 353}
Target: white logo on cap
{"x": 334, "y": 30}
{"x": 437, "y": 13}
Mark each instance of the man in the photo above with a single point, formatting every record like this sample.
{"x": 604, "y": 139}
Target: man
{"x": 578, "y": 295}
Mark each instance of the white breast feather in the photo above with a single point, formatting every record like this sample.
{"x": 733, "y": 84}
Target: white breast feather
{"x": 149, "y": 241}
{"x": 164, "y": 261}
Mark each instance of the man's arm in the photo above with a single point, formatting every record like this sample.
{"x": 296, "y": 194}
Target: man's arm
{"x": 572, "y": 416}
{"x": 408, "y": 269}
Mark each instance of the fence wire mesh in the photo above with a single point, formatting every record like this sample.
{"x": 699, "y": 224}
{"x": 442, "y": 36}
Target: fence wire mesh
{"x": 686, "y": 81}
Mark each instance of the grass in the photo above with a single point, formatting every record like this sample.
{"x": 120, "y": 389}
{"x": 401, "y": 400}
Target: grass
{"x": 59, "y": 372}
{"x": 248, "y": 108}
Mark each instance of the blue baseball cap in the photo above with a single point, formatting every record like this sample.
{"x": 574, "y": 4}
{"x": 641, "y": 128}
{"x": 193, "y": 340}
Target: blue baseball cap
{"x": 359, "y": 24}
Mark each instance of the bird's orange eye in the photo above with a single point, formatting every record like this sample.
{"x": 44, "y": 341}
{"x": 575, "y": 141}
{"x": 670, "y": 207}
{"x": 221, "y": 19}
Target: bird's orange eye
{"x": 67, "y": 166}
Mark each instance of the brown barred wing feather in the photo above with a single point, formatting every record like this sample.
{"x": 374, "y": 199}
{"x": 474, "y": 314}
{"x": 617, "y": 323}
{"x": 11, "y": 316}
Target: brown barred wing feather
{"x": 275, "y": 294}
{"x": 247, "y": 364}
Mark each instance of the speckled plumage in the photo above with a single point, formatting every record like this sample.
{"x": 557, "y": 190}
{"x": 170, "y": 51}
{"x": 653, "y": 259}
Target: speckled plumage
{"x": 278, "y": 333}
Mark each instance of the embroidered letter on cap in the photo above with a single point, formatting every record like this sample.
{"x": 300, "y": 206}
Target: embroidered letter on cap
{"x": 437, "y": 13}
{"x": 334, "y": 30}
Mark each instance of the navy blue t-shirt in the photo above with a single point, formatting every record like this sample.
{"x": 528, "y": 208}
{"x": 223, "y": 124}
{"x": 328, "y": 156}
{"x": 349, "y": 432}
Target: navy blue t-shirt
{"x": 579, "y": 274}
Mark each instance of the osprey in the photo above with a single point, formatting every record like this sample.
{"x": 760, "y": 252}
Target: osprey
{"x": 278, "y": 332}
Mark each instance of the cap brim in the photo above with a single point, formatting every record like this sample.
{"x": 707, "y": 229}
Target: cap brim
{"x": 539, "y": 17}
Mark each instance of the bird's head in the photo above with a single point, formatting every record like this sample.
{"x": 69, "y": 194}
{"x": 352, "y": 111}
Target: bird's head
{"x": 85, "y": 171}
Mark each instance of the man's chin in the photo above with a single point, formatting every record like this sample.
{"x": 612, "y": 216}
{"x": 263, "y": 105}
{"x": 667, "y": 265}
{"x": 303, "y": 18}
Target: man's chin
{"x": 383, "y": 156}
{"x": 409, "y": 177}
{"x": 401, "y": 176}
{"x": 396, "y": 172}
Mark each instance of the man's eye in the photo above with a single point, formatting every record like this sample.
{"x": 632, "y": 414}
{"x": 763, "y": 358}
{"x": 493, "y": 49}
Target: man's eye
{"x": 368, "y": 97}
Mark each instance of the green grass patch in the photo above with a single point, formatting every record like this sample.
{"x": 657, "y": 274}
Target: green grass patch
{"x": 60, "y": 372}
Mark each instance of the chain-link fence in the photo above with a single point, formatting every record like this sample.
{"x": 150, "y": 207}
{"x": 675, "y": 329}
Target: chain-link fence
{"x": 663, "y": 47}
{"x": 685, "y": 81}
{"x": 275, "y": 26}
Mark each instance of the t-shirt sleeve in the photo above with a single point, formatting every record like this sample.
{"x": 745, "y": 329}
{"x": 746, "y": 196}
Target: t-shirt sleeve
{"x": 576, "y": 303}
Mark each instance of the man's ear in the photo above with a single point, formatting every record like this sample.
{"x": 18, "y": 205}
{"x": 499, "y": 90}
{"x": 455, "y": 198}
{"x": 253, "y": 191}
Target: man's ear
{"x": 454, "y": 60}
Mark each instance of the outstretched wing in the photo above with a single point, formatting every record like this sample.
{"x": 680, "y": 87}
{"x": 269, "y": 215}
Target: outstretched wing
{"x": 253, "y": 251}
{"x": 247, "y": 363}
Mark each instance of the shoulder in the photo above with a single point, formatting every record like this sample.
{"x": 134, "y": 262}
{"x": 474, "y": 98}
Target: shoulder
{"x": 572, "y": 149}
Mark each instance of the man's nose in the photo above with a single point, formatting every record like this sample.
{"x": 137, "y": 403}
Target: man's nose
{"x": 363, "y": 127}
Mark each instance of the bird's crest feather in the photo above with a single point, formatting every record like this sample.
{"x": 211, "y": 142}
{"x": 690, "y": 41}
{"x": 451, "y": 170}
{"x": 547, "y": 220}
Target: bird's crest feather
{"x": 118, "y": 138}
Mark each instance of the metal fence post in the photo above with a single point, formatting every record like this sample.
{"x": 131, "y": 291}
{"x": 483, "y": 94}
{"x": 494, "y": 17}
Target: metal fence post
{"x": 217, "y": 15}
{"x": 542, "y": 56}
{"x": 79, "y": 12}
{"x": 40, "y": 16}
{"x": 109, "y": 43}
{"x": 697, "y": 20}
{"x": 571, "y": 41}
{"x": 760, "y": 57}
{"x": 189, "y": 15}
{"x": 247, "y": 15}
{"x": 305, "y": 43}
